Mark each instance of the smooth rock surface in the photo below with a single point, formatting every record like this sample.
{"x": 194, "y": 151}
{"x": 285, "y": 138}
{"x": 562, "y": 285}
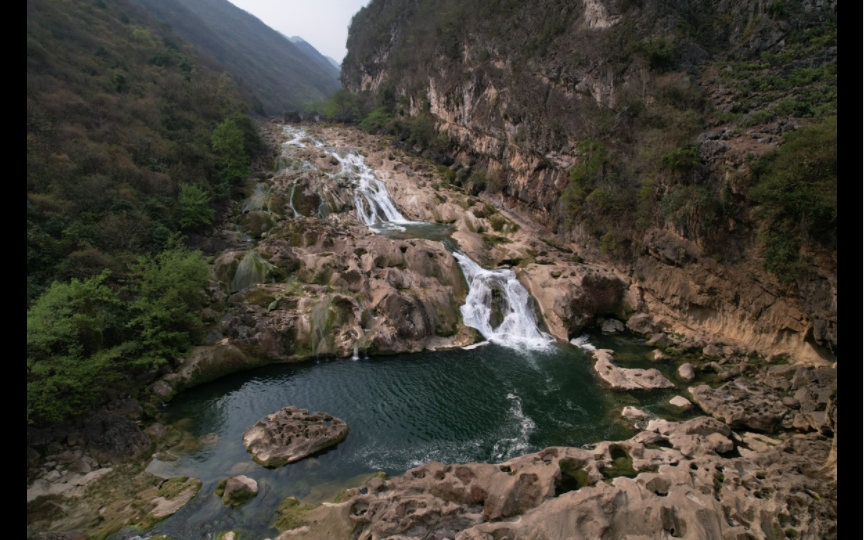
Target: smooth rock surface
{"x": 239, "y": 490}
{"x": 680, "y": 402}
{"x": 642, "y": 323}
{"x": 633, "y": 413}
{"x": 627, "y": 379}
{"x": 687, "y": 371}
{"x": 291, "y": 434}
{"x": 611, "y": 326}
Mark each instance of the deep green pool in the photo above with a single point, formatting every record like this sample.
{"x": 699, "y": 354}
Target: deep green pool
{"x": 488, "y": 404}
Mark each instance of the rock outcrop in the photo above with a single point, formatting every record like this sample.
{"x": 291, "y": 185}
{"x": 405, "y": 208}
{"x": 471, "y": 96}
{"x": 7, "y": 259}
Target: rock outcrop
{"x": 114, "y": 439}
{"x": 291, "y": 434}
{"x": 742, "y": 403}
{"x": 627, "y": 379}
{"x": 668, "y": 481}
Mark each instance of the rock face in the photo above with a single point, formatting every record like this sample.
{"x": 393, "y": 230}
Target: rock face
{"x": 114, "y": 439}
{"x": 633, "y": 413}
{"x": 237, "y": 490}
{"x": 641, "y": 323}
{"x": 519, "y": 113}
{"x": 655, "y": 492}
{"x": 742, "y": 403}
{"x": 291, "y": 434}
{"x": 627, "y": 379}
{"x": 680, "y": 402}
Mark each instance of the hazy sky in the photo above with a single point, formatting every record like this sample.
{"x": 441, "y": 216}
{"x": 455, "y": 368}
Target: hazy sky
{"x": 323, "y": 23}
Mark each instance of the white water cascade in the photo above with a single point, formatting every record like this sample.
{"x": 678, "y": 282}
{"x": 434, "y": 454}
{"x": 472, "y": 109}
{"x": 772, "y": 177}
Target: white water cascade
{"x": 518, "y": 329}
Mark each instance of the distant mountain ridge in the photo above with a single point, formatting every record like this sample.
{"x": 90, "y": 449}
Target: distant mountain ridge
{"x": 325, "y": 62}
{"x": 281, "y": 74}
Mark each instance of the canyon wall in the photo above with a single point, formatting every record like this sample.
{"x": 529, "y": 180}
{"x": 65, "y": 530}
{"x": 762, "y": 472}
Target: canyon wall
{"x": 662, "y": 96}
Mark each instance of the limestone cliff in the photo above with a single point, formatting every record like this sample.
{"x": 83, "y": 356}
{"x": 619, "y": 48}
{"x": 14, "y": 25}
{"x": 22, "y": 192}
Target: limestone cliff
{"x": 663, "y": 104}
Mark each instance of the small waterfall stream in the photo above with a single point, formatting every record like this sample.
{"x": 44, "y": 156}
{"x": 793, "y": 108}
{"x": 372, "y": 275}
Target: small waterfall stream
{"x": 497, "y": 306}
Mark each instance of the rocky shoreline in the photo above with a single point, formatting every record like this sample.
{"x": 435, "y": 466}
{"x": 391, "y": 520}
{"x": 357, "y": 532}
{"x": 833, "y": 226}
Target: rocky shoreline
{"x": 333, "y": 275}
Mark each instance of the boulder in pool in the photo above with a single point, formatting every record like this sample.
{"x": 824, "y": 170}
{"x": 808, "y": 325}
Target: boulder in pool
{"x": 291, "y": 434}
{"x": 237, "y": 490}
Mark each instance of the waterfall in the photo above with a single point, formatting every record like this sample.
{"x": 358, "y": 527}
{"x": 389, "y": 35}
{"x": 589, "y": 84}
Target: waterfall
{"x": 497, "y": 305}
{"x": 251, "y": 270}
{"x": 497, "y": 294}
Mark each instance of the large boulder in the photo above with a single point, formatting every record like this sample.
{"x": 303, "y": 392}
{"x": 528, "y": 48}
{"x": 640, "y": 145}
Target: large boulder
{"x": 641, "y": 323}
{"x": 627, "y": 379}
{"x": 742, "y": 403}
{"x": 687, "y": 371}
{"x": 114, "y": 439}
{"x": 237, "y": 490}
{"x": 291, "y": 434}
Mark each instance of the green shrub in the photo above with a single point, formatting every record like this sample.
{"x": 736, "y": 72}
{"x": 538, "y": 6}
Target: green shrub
{"x": 194, "y": 207}
{"x": 229, "y": 144}
{"x": 796, "y": 187}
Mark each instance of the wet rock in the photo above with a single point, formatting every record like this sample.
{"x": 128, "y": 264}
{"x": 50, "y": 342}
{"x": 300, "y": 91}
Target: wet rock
{"x": 237, "y": 490}
{"x": 680, "y": 402}
{"x": 610, "y": 326}
{"x": 687, "y": 371}
{"x": 742, "y": 403}
{"x": 291, "y": 434}
{"x": 627, "y": 379}
{"x": 633, "y": 413}
{"x": 641, "y": 323}
{"x": 658, "y": 355}
{"x": 114, "y": 439}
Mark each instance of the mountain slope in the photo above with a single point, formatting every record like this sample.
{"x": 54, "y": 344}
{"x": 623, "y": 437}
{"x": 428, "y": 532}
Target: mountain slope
{"x": 280, "y": 74}
{"x": 327, "y": 64}
{"x": 631, "y": 130}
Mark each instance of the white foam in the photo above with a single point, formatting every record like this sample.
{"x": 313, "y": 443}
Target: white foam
{"x": 518, "y": 330}
{"x": 582, "y": 343}
{"x": 474, "y": 346}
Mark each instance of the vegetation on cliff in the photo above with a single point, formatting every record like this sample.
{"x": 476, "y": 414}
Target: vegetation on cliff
{"x": 132, "y": 136}
{"x": 625, "y": 88}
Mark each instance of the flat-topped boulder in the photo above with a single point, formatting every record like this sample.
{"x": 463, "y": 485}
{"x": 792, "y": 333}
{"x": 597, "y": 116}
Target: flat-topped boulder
{"x": 742, "y": 403}
{"x": 627, "y": 379}
{"x": 237, "y": 490}
{"x": 291, "y": 434}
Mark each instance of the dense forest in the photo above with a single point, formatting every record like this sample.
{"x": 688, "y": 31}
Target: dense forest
{"x": 133, "y": 138}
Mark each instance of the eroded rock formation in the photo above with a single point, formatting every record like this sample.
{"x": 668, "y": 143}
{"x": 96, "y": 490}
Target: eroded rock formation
{"x": 290, "y": 434}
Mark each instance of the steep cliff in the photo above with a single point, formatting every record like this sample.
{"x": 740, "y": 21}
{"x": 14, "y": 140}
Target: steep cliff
{"x": 645, "y": 135}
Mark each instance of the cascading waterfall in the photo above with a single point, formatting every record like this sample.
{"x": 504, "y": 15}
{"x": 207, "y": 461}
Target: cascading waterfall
{"x": 375, "y": 209}
{"x": 518, "y": 327}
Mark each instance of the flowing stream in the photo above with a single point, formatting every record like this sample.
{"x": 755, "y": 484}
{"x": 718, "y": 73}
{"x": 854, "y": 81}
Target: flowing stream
{"x": 519, "y": 392}
{"x": 498, "y": 305}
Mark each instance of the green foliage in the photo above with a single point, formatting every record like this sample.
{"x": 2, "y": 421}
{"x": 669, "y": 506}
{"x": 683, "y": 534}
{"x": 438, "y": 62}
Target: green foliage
{"x": 660, "y": 53}
{"x": 694, "y": 211}
{"x": 68, "y": 361}
{"x": 681, "y": 160}
{"x": 229, "y": 145}
{"x": 165, "y": 286}
{"x": 595, "y": 169}
{"x": 777, "y": 10}
{"x": 84, "y": 335}
{"x": 194, "y": 207}
{"x": 118, "y": 116}
{"x": 796, "y": 187}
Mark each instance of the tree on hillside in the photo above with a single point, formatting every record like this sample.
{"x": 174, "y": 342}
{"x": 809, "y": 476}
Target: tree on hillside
{"x": 194, "y": 207}
{"x": 228, "y": 144}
